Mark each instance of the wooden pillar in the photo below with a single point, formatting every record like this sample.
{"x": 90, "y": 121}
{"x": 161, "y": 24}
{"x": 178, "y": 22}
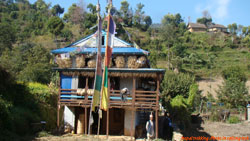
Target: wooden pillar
{"x": 132, "y": 124}
{"x": 107, "y": 130}
{"x": 156, "y": 124}
{"x": 133, "y": 92}
{"x": 86, "y": 89}
{"x": 58, "y": 103}
{"x": 107, "y": 127}
{"x": 157, "y": 92}
{"x": 85, "y": 120}
{"x": 133, "y": 108}
{"x": 86, "y": 101}
{"x": 58, "y": 117}
{"x": 157, "y": 105}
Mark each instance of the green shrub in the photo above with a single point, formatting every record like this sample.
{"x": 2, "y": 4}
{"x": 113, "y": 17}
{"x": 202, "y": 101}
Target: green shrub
{"x": 233, "y": 119}
{"x": 43, "y": 134}
{"x": 176, "y": 84}
{"x": 24, "y": 105}
{"x": 46, "y": 97}
{"x": 179, "y": 111}
{"x": 193, "y": 91}
{"x": 214, "y": 115}
{"x": 233, "y": 92}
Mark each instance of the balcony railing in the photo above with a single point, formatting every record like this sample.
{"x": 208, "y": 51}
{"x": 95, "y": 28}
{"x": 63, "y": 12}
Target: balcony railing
{"x": 138, "y": 99}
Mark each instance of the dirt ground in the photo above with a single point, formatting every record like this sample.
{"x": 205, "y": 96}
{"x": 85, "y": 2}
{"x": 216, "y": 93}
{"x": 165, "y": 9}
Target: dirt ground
{"x": 74, "y": 137}
{"x": 225, "y": 129}
{"x": 219, "y": 129}
{"x": 207, "y": 129}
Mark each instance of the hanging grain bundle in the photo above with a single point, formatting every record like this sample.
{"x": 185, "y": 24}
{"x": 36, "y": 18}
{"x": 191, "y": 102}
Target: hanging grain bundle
{"x": 132, "y": 61}
{"x": 120, "y": 62}
{"x": 141, "y": 62}
{"x": 80, "y": 61}
{"x": 59, "y": 62}
{"x": 92, "y": 63}
{"x": 64, "y": 63}
{"x": 110, "y": 63}
{"x": 67, "y": 63}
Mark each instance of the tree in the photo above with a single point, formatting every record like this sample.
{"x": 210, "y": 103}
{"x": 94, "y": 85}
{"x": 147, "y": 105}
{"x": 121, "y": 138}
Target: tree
{"x": 233, "y": 92}
{"x": 55, "y": 25}
{"x": 28, "y": 62}
{"x": 233, "y": 28}
{"x": 206, "y": 18}
{"x": 66, "y": 34}
{"x": 125, "y": 13}
{"x": 170, "y": 19}
{"x": 75, "y": 14}
{"x": 148, "y": 21}
{"x": 176, "y": 84}
{"x": 57, "y": 10}
{"x": 90, "y": 18}
{"x": 38, "y": 67}
{"x": 41, "y": 5}
{"x": 139, "y": 15}
{"x": 7, "y": 36}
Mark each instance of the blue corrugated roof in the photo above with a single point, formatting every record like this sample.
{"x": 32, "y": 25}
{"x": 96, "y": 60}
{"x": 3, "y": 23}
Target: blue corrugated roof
{"x": 116, "y": 50}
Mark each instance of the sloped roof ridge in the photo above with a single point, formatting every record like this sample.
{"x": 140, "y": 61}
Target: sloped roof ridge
{"x": 89, "y": 36}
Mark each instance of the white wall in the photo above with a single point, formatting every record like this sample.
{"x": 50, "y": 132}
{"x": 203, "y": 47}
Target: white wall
{"x": 91, "y": 42}
{"x": 69, "y": 117}
{"x": 126, "y": 83}
{"x": 127, "y": 122}
{"x": 74, "y": 84}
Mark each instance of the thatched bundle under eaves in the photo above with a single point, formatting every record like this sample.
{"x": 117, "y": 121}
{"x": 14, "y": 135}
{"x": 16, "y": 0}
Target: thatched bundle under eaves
{"x": 92, "y": 63}
{"x": 132, "y": 61}
{"x": 141, "y": 62}
{"x": 64, "y": 63}
{"x": 120, "y": 62}
{"x": 80, "y": 61}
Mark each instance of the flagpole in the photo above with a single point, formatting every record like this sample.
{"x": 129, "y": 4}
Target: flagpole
{"x": 107, "y": 36}
{"x": 98, "y": 43}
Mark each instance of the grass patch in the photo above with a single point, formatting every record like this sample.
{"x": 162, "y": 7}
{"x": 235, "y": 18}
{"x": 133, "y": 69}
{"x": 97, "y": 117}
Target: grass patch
{"x": 233, "y": 120}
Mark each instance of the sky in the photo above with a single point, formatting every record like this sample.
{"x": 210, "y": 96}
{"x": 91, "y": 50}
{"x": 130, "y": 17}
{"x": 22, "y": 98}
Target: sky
{"x": 222, "y": 11}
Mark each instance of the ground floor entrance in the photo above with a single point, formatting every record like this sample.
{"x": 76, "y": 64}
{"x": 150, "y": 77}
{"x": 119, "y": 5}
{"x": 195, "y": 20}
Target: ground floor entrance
{"x": 79, "y": 117}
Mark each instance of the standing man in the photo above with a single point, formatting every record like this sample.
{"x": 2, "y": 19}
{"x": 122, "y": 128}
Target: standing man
{"x": 124, "y": 93}
{"x": 170, "y": 127}
{"x": 150, "y": 128}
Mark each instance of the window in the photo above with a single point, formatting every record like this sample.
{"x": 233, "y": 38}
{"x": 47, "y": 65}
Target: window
{"x": 82, "y": 82}
{"x": 114, "y": 83}
{"x": 91, "y": 82}
{"x": 103, "y": 40}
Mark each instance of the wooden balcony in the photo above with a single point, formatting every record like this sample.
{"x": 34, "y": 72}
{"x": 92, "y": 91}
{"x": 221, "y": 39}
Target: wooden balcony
{"x": 138, "y": 99}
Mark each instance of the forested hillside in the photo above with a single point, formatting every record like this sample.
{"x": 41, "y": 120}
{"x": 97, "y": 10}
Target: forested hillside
{"x": 28, "y": 32}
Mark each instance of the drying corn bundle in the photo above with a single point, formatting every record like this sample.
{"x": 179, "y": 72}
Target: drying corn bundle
{"x": 132, "y": 61}
{"x": 141, "y": 62}
{"x": 80, "y": 61}
{"x": 92, "y": 63}
{"x": 120, "y": 62}
{"x": 64, "y": 63}
{"x": 110, "y": 63}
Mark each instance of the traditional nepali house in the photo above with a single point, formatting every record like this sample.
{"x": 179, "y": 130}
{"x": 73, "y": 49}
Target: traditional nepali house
{"x": 196, "y": 27}
{"x": 217, "y": 28}
{"x": 129, "y": 68}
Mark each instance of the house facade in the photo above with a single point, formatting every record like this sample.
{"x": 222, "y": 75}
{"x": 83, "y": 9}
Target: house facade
{"x": 214, "y": 28}
{"x": 129, "y": 69}
{"x": 217, "y": 28}
{"x": 196, "y": 27}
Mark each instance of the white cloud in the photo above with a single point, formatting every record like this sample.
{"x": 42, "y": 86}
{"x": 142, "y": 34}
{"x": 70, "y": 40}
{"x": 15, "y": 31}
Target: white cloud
{"x": 222, "y": 9}
{"x": 217, "y": 8}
